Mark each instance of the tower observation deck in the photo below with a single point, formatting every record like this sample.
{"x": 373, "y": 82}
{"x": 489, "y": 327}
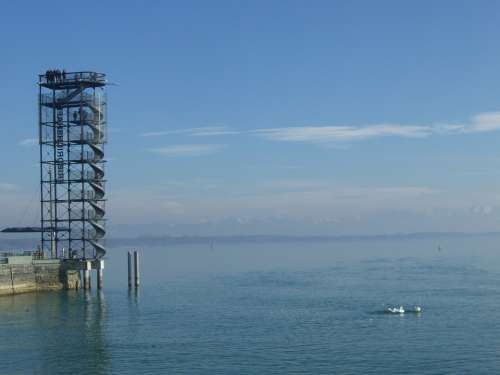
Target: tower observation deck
{"x": 72, "y": 135}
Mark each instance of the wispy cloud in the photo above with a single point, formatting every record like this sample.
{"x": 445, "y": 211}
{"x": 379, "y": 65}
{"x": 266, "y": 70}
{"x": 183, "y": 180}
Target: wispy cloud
{"x": 291, "y": 185}
{"x": 330, "y": 189}
{"x": 342, "y": 133}
{"x": 213, "y": 132}
{"x": 206, "y": 131}
{"x": 8, "y": 187}
{"x": 28, "y": 142}
{"x": 484, "y": 122}
{"x": 187, "y": 150}
{"x": 479, "y": 123}
{"x": 164, "y": 132}
{"x": 391, "y": 191}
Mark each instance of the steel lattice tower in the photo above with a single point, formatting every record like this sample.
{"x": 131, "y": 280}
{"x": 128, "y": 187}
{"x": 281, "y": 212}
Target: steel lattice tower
{"x": 72, "y": 134}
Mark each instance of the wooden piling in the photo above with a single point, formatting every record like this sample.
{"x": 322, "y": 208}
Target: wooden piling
{"x": 129, "y": 257}
{"x": 136, "y": 268}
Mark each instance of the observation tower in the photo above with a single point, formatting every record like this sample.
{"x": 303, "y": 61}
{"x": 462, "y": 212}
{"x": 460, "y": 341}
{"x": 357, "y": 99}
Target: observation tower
{"x": 72, "y": 135}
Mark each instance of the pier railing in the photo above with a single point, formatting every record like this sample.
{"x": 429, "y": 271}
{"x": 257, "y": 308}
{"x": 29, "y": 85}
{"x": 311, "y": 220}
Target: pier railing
{"x": 5, "y": 255}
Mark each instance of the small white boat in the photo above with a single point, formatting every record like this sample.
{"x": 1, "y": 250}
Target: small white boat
{"x": 417, "y": 309}
{"x": 396, "y": 310}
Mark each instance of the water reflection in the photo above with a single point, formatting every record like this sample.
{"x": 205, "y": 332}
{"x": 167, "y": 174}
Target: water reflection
{"x": 133, "y": 296}
{"x": 61, "y": 332}
{"x": 133, "y": 316}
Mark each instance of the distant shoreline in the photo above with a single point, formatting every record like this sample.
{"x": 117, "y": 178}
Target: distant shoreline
{"x": 165, "y": 240}
{"x": 6, "y": 243}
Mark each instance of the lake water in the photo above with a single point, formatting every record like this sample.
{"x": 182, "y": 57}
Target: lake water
{"x": 264, "y": 308}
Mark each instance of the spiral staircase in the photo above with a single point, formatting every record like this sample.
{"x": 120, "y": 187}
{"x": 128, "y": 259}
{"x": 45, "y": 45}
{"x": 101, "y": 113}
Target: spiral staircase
{"x": 94, "y": 159}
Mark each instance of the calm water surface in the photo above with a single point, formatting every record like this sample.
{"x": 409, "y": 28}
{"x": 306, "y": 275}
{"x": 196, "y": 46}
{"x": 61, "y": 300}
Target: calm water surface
{"x": 270, "y": 308}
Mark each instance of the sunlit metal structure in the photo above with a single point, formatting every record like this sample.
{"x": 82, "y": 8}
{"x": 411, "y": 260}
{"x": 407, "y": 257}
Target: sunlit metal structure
{"x": 72, "y": 134}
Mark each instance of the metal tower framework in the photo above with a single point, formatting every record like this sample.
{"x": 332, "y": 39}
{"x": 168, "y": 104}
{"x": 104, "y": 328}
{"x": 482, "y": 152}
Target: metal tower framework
{"x": 72, "y": 134}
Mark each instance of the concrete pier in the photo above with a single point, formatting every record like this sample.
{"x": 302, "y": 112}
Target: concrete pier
{"x": 136, "y": 269}
{"x": 22, "y": 274}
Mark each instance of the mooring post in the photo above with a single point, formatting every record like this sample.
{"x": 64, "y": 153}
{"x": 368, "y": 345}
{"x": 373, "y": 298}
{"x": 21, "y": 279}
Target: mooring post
{"x": 100, "y": 270}
{"x": 129, "y": 257}
{"x": 86, "y": 275}
{"x": 53, "y": 246}
{"x": 136, "y": 269}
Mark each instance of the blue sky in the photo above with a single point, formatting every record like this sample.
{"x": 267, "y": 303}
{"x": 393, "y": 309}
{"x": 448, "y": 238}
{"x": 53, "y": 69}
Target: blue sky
{"x": 233, "y": 117}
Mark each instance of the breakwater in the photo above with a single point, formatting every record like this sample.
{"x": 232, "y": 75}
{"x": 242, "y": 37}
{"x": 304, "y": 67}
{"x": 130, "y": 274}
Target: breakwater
{"x": 22, "y": 274}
